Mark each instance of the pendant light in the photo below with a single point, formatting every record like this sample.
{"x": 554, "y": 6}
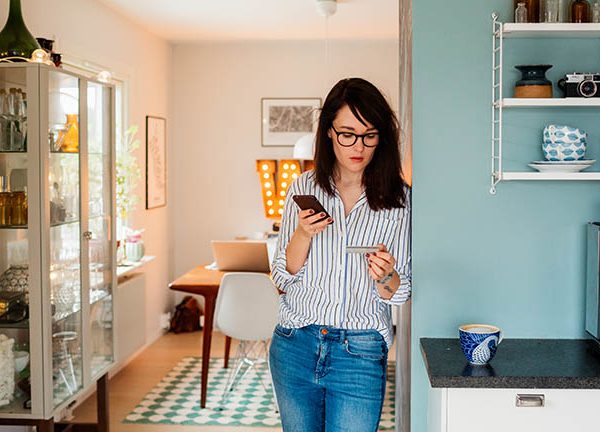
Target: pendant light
{"x": 305, "y": 146}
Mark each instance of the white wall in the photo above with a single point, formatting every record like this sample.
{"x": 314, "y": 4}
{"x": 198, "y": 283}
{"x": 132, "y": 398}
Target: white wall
{"x": 89, "y": 30}
{"x": 216, "y": 111}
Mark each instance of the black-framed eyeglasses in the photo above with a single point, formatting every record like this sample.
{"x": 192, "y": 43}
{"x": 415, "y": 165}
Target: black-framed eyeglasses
{"x": 348, "y": 139}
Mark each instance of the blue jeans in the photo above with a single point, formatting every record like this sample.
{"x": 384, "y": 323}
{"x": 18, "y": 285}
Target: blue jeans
{"x": 328, "y": 379}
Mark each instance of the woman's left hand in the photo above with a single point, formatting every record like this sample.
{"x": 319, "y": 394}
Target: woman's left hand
{"x": 381, "y": 263}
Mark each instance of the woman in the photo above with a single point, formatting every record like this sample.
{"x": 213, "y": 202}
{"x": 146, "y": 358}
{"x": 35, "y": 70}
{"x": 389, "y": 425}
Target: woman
{"x": 328, "y": 354}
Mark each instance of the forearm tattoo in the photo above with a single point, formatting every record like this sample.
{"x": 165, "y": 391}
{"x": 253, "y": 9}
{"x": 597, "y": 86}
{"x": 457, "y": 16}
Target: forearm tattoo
{"x": 388, "y": 289}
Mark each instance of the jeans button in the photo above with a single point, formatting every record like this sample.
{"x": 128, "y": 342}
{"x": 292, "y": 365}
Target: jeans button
{"x": 324, "y": 332}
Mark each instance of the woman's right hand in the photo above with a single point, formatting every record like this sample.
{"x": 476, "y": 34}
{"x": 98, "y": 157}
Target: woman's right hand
{"x": 308, "y": 226}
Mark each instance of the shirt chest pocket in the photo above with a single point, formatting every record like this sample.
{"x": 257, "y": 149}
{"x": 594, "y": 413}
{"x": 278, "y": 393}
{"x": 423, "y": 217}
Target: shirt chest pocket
{"x": 379, "y": 229}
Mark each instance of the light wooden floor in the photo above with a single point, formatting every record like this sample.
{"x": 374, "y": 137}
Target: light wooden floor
{"x": 130, "y": 385}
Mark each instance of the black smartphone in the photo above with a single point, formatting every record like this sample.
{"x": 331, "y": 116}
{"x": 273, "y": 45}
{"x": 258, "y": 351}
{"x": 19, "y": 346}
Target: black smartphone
{"x": 306, "y": 202}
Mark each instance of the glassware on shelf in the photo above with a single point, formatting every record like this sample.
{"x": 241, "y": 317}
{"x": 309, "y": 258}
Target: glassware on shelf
{"x": 7, "y": 370}
{"x": 4, "y": 208}
{"x": 58, "y": 212}
{"x": 18, "y": 208}
{"x": 580, "y": 11}
{"x": 13, "y": 208}
{"x": 550, "y": 11}
{"x": 13, "y": 120}
{"x": 596, "y": 11}
{"x": 4, "y": 140}
{"x": 56, "y": 137}
{"x": 64, "y": 367}
{"x": 533, "y": 9}
{"x": 70, "y": 137}
{"x": 521, "y": 13}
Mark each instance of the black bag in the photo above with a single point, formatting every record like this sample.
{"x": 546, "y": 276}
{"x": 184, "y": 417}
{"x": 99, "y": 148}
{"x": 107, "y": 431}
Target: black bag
{"x": 187, "y": 316}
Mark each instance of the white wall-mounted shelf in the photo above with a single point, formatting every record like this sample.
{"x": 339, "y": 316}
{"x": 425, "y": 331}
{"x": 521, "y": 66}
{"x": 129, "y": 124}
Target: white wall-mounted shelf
{"x": 124, "y": 270}
{"x": 551, "y": 30}
{"x": 581, "y": 176}
{"x": 501, "y": 31}
{"x": 550, "y": 102}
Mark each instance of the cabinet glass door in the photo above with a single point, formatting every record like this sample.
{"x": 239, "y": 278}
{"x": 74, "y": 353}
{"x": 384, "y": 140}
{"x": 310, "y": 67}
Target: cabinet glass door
{"x": 100, "y": 228}
{"x": 15, "y": 390}
{"x": 65, "y": 235}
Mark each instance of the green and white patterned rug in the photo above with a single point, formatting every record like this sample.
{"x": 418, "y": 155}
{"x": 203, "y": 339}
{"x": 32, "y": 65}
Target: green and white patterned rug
{"x": 176, "y": 399}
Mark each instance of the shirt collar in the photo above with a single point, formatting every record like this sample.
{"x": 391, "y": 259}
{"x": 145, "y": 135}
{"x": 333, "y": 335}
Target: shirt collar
{"x": 362, "y": 199}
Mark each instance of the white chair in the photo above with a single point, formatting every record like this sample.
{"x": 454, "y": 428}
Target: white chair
{"x": 247, "y": 307}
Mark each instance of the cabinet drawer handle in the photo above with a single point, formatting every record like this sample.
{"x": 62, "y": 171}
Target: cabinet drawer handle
{"x": 530, "y": 400}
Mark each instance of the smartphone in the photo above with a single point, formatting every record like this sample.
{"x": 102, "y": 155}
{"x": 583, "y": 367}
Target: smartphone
{"x": 306, "y": 202}
{"x": 362, "y": 249}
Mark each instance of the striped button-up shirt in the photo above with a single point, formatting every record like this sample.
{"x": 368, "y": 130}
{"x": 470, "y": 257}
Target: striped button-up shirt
{"x": 333, "y": 288}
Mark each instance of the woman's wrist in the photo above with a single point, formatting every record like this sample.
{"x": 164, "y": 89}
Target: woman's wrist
{"x": 385, "y": 279}
{"x": 301, "y": 234}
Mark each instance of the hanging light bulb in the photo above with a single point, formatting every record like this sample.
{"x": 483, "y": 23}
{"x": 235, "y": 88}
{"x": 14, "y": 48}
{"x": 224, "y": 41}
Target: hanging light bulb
{"x": 104, "y": 76}
{"x": 326, "y": 7}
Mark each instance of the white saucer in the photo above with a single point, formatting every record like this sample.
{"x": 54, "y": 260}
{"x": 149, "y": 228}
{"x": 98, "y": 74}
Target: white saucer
{"x": 563, "y": 167}
{"x": 584, "y": 162}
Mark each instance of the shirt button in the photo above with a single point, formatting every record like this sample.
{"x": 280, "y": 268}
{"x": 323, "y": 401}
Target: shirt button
{"x": 324, "y": 332}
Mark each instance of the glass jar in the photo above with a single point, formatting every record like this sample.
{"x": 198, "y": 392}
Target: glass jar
{"x": 521, "y": 13}
{"x": 596, "y": 12}
{"x": 18, "y": 208}
{"x": 580, "y": 11}
{"x": 4, "y": 208}
{"x": 533, "y": 9}
{"x": 550, "y": 11}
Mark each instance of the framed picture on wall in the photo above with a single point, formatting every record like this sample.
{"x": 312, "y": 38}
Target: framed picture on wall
{"x": 286, "y": 120}
{"x": 156, "y": 162}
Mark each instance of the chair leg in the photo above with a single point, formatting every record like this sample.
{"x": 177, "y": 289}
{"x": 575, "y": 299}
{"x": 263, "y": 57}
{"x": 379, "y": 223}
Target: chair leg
{"x": 234, "y": 372}
{"x": 249, "y": 355}
{"x": 237, "y": 364}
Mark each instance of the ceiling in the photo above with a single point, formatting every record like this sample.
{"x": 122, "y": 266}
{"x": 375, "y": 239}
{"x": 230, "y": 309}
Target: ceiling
{"x": 197, "y": 20}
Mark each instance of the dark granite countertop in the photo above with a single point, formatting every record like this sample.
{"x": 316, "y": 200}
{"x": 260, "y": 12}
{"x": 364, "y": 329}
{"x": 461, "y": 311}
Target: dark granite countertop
{"x": 519, "y": 363}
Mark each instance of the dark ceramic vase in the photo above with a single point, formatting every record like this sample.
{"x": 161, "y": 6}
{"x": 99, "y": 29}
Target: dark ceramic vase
{"x": 533, "y": 75}
{"x": 15, "y": 39}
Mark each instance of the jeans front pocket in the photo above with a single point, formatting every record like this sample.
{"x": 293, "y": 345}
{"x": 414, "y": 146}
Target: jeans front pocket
{"x": 367, "y": 348}
{"x": 284, "y": 331}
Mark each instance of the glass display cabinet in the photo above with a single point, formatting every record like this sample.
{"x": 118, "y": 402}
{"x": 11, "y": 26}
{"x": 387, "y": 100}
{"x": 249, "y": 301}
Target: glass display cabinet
{"x": 57, "y": 239}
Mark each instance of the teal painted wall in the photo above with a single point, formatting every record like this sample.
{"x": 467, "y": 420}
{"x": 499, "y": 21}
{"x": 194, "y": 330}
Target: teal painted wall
{"x": 516, "y": 259}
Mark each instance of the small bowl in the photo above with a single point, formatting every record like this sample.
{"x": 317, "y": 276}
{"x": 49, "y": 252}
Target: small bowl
{"x": 563, "y": 134}
{"x": 21, "y": 360}
{"x": 564, "y": 152}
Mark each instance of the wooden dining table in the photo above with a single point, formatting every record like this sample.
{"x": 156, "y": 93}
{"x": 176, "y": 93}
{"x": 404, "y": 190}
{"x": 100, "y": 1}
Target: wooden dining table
{"x": 205, "y": 282}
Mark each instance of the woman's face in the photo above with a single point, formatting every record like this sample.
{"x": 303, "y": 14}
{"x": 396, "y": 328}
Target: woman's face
{"x": 353, "y": 158}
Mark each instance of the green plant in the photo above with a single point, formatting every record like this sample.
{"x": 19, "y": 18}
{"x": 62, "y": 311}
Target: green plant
{"x": 128, "y": 174}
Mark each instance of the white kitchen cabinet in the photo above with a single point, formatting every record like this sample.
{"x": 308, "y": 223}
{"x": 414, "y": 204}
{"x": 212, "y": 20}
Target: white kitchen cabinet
{"x": 496, "y": 410}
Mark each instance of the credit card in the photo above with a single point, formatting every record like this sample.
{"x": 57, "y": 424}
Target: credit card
{"x": 361, "y": 249}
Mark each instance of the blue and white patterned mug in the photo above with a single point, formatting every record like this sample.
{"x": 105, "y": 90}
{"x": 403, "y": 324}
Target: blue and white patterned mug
{"x": 479, "y": 342}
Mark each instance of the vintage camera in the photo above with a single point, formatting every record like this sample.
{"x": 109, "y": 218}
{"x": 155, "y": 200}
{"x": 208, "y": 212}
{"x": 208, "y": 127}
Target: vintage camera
{"x": 581, "y": 85}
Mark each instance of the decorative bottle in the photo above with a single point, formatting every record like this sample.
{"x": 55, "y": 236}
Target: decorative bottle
{"x": 70, "y": 143}
{"x": 521, "y": 13}
{"x": 533, "y": 9}
{"x": 580, "y": 11}
{"x": 596, "y": 12}
{"x": 15, "y": 39}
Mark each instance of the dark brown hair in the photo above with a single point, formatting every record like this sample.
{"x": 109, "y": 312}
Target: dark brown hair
{"x": 382, "y": 178}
